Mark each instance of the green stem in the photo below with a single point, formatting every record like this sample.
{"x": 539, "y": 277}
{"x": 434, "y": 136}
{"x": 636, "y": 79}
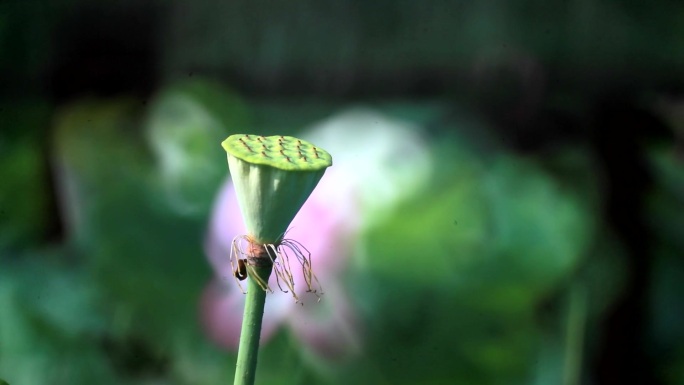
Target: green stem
{"x": 245, "y": 370}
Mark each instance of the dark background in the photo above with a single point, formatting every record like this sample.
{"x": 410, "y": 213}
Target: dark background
{"x": 600, "y": 83}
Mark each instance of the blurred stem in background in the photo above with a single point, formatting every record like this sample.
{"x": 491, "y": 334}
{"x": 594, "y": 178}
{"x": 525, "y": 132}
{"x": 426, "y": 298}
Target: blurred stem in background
{"x": 575, "y": 331}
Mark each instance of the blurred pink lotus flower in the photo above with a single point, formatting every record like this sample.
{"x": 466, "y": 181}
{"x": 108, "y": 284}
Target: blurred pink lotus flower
{"x": 362, "y": 183}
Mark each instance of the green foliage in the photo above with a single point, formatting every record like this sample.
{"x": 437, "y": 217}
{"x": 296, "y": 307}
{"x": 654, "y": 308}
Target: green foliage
{"x": 666, "y": 201}
{"x": 455, "y": 283}
{"x": 146, "y": 261}
{"x": 24, "y": 195}
{"x": 184, "y": 124}
{"x": 504, "y": 230}
{"x": 666, "y": 205}
{"x": 452, "y": 280}
{"x": 49, "y": 325}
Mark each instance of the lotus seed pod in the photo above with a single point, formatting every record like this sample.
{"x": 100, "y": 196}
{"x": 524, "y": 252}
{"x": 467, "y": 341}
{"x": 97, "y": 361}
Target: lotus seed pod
{"x": 273, "y": 177}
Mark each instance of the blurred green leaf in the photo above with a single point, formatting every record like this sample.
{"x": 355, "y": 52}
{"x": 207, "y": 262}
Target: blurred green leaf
{"x": 451, "y": 281}
{"x": 665, "y": 205}
{"x": 185, "y": 123}
{"x": 505, "y": 232}
{"x": 145, "y": 258}
{"x": 666, "y": 202}
{"x": 97, "y": 146}
{"x": 24, "y": 195}
{"x": 49, "y": 324}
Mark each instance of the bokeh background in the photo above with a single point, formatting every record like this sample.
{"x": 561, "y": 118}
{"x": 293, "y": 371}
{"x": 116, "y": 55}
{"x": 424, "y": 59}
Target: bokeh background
{"x": 541, "y": 240}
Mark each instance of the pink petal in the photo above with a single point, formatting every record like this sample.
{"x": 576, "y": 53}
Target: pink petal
{"x": 221, "y": 309}
{"x": 316, "y": 229}
{"x": 226, "y": 223}
{"x": 330, "y": 327}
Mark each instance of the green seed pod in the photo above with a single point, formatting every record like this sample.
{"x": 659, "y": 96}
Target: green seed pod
{"x": 273, "y": 177}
